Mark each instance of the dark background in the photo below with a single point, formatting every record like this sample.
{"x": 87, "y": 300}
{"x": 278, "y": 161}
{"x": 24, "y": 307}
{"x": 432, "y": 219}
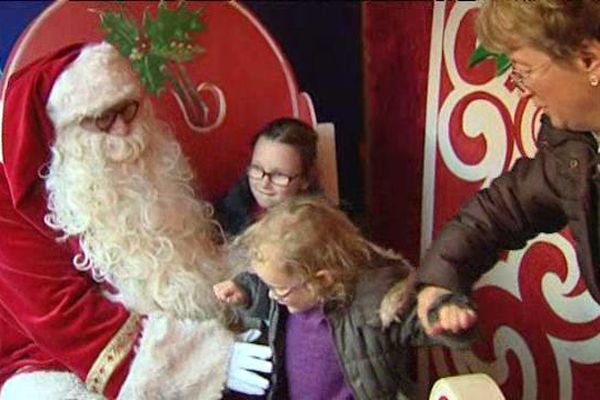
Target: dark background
{"x": 322, "y": 41}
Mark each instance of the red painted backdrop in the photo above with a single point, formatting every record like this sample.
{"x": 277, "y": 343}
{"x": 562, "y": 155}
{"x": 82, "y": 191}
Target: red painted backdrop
{"x": 438, "y": 132}
{"x": 396, "y": 49}
{"x": 242, "y": 63}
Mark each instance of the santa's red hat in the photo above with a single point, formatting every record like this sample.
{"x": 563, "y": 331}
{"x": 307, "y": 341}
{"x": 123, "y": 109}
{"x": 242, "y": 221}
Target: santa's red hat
{"x": 49, "y": 94}
{"x": 98, "y": 79}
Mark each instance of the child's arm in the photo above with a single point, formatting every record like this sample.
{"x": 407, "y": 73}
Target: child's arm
{"x": 247, "y": 291}
{"x": 258, "y": 294}
{"x": 229, "y": 292}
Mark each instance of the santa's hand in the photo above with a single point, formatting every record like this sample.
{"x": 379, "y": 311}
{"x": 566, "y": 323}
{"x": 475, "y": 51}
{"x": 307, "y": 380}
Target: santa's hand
{"x": 229, "y": 292}
{"x": 245, "y": 361}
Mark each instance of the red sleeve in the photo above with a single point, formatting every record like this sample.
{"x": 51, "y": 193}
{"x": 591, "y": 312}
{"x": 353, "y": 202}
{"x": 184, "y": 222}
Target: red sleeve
{"x": 58, "y": 307}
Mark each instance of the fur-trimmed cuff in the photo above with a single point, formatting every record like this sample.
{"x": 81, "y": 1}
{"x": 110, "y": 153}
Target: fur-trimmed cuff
{"x": 179, "y": 359}
{"x": 46, "y": 385}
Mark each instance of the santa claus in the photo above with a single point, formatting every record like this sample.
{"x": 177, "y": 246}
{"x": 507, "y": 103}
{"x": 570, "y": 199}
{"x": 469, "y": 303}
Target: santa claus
{"x": 107, "y": 257}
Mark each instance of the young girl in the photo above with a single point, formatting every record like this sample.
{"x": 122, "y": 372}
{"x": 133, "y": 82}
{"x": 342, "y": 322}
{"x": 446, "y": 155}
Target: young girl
{"x": 282, "y": 166}
{"x": 283, "y": 161}
{"x": 326, "y": 282}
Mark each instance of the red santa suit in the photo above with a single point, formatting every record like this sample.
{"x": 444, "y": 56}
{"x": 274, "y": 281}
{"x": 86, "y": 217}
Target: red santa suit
{"x": 58, "y": 329}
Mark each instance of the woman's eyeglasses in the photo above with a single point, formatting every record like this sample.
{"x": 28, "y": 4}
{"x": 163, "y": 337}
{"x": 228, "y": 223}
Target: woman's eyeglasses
{"x": 127, "y": 110}
{"x": 276, "y": 178}
{"x": 520, "y": 78}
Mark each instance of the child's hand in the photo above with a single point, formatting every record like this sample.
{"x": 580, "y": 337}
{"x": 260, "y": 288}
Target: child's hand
{"x": 229, "y": 292}
{"x": 450, "y": 316}
{"x": 456, "y": 318}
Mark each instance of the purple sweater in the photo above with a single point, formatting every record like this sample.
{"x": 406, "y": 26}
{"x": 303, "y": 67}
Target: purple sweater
{"x": 312, "y": 367}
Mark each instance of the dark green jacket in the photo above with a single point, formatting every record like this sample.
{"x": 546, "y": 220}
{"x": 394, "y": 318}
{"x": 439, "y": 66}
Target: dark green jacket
{"x": 377, "y": 364}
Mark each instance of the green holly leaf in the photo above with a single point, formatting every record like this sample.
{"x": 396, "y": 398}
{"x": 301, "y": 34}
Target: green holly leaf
{"x": 164, "y": 42}
{"x": 481, "y": 53}
{"x": 152, "y": 72}
{"x": 172, "y": 30}
{"x": 502, "y": 64}
{"x": 120, "y": 31}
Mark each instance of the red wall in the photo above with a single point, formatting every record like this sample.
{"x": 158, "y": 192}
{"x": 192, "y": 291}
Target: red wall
{"x": 434, "y": 122}
{"x": 396, "y": 42}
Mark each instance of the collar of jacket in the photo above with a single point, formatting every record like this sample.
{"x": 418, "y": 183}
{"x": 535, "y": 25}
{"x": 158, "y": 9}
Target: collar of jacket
{"x": 551, "y": 136}
{"x": 370, "y": 289}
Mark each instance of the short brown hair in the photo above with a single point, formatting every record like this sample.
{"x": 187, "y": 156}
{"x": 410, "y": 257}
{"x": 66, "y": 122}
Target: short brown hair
{"x": 556, "y": 27}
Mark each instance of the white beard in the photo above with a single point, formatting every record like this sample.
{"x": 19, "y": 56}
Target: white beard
{"x": 130, "y": 202}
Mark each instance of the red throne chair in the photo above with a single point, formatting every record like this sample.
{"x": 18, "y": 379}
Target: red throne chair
{"x": 243, "y": 77}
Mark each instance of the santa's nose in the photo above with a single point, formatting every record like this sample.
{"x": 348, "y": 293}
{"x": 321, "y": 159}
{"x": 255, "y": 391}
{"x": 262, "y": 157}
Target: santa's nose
{"x": 119, "y": 127}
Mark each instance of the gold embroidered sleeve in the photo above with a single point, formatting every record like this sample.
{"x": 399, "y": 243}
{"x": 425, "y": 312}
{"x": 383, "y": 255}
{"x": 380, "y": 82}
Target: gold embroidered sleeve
{"x": 113, "y": 354}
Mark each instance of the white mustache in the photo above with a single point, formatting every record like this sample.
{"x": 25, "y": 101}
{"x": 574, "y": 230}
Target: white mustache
{"x": 123, "y": 149}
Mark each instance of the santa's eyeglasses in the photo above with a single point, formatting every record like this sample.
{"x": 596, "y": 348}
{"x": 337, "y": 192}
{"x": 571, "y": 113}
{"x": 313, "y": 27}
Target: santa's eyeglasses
{"x": 127, "y": 110}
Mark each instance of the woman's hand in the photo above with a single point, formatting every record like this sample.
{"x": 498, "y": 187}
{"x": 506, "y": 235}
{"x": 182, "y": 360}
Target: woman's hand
{"x": 229, "y": 292}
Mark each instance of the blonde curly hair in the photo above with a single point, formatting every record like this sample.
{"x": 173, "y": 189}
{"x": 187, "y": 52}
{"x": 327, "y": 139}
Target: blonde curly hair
{"x": 307, "y": 234}
{"x": 556, "y": 27}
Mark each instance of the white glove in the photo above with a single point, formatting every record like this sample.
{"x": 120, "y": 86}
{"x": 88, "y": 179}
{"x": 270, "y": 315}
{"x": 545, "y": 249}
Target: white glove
{"x": 245, "y": 358}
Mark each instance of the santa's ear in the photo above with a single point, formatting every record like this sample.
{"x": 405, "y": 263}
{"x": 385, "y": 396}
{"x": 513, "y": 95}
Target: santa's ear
{"x": 325, "y": 277}
{"x": 587, "y": 56}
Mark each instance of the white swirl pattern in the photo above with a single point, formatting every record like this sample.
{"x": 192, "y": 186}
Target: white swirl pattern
{"x": 221, "y": 104}
{"x": 483, "y": 118}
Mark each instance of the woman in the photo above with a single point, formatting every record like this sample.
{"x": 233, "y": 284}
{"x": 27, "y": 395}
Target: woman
{"x": 554, "y": 47}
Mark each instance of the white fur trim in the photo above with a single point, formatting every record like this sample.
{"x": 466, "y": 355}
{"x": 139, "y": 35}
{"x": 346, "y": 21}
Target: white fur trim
{"x": 98, "y": 79}
{"x": 179, "y": 359}
{"x": 46, "y": 385}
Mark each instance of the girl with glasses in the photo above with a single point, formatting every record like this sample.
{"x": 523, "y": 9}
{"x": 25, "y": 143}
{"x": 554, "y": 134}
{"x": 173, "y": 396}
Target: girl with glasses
{"x": 283, "y": 162}
{"x": 326, "y": 282}
{"x": 282, "y": 166}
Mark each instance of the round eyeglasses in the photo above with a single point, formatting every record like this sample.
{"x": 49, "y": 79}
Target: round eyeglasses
{"x": 275, "y": 295}
{"x": 276, "y": 178}
{"x": 127, "y": 110}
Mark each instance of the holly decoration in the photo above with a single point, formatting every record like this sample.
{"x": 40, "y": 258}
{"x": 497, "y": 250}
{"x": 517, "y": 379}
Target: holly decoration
{"x": 157, "y": 50}
{"x": 481, "y": 53}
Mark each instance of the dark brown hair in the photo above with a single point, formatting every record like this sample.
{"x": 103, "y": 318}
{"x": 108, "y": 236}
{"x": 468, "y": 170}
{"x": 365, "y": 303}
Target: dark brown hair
{"x": 295, "y": 133}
